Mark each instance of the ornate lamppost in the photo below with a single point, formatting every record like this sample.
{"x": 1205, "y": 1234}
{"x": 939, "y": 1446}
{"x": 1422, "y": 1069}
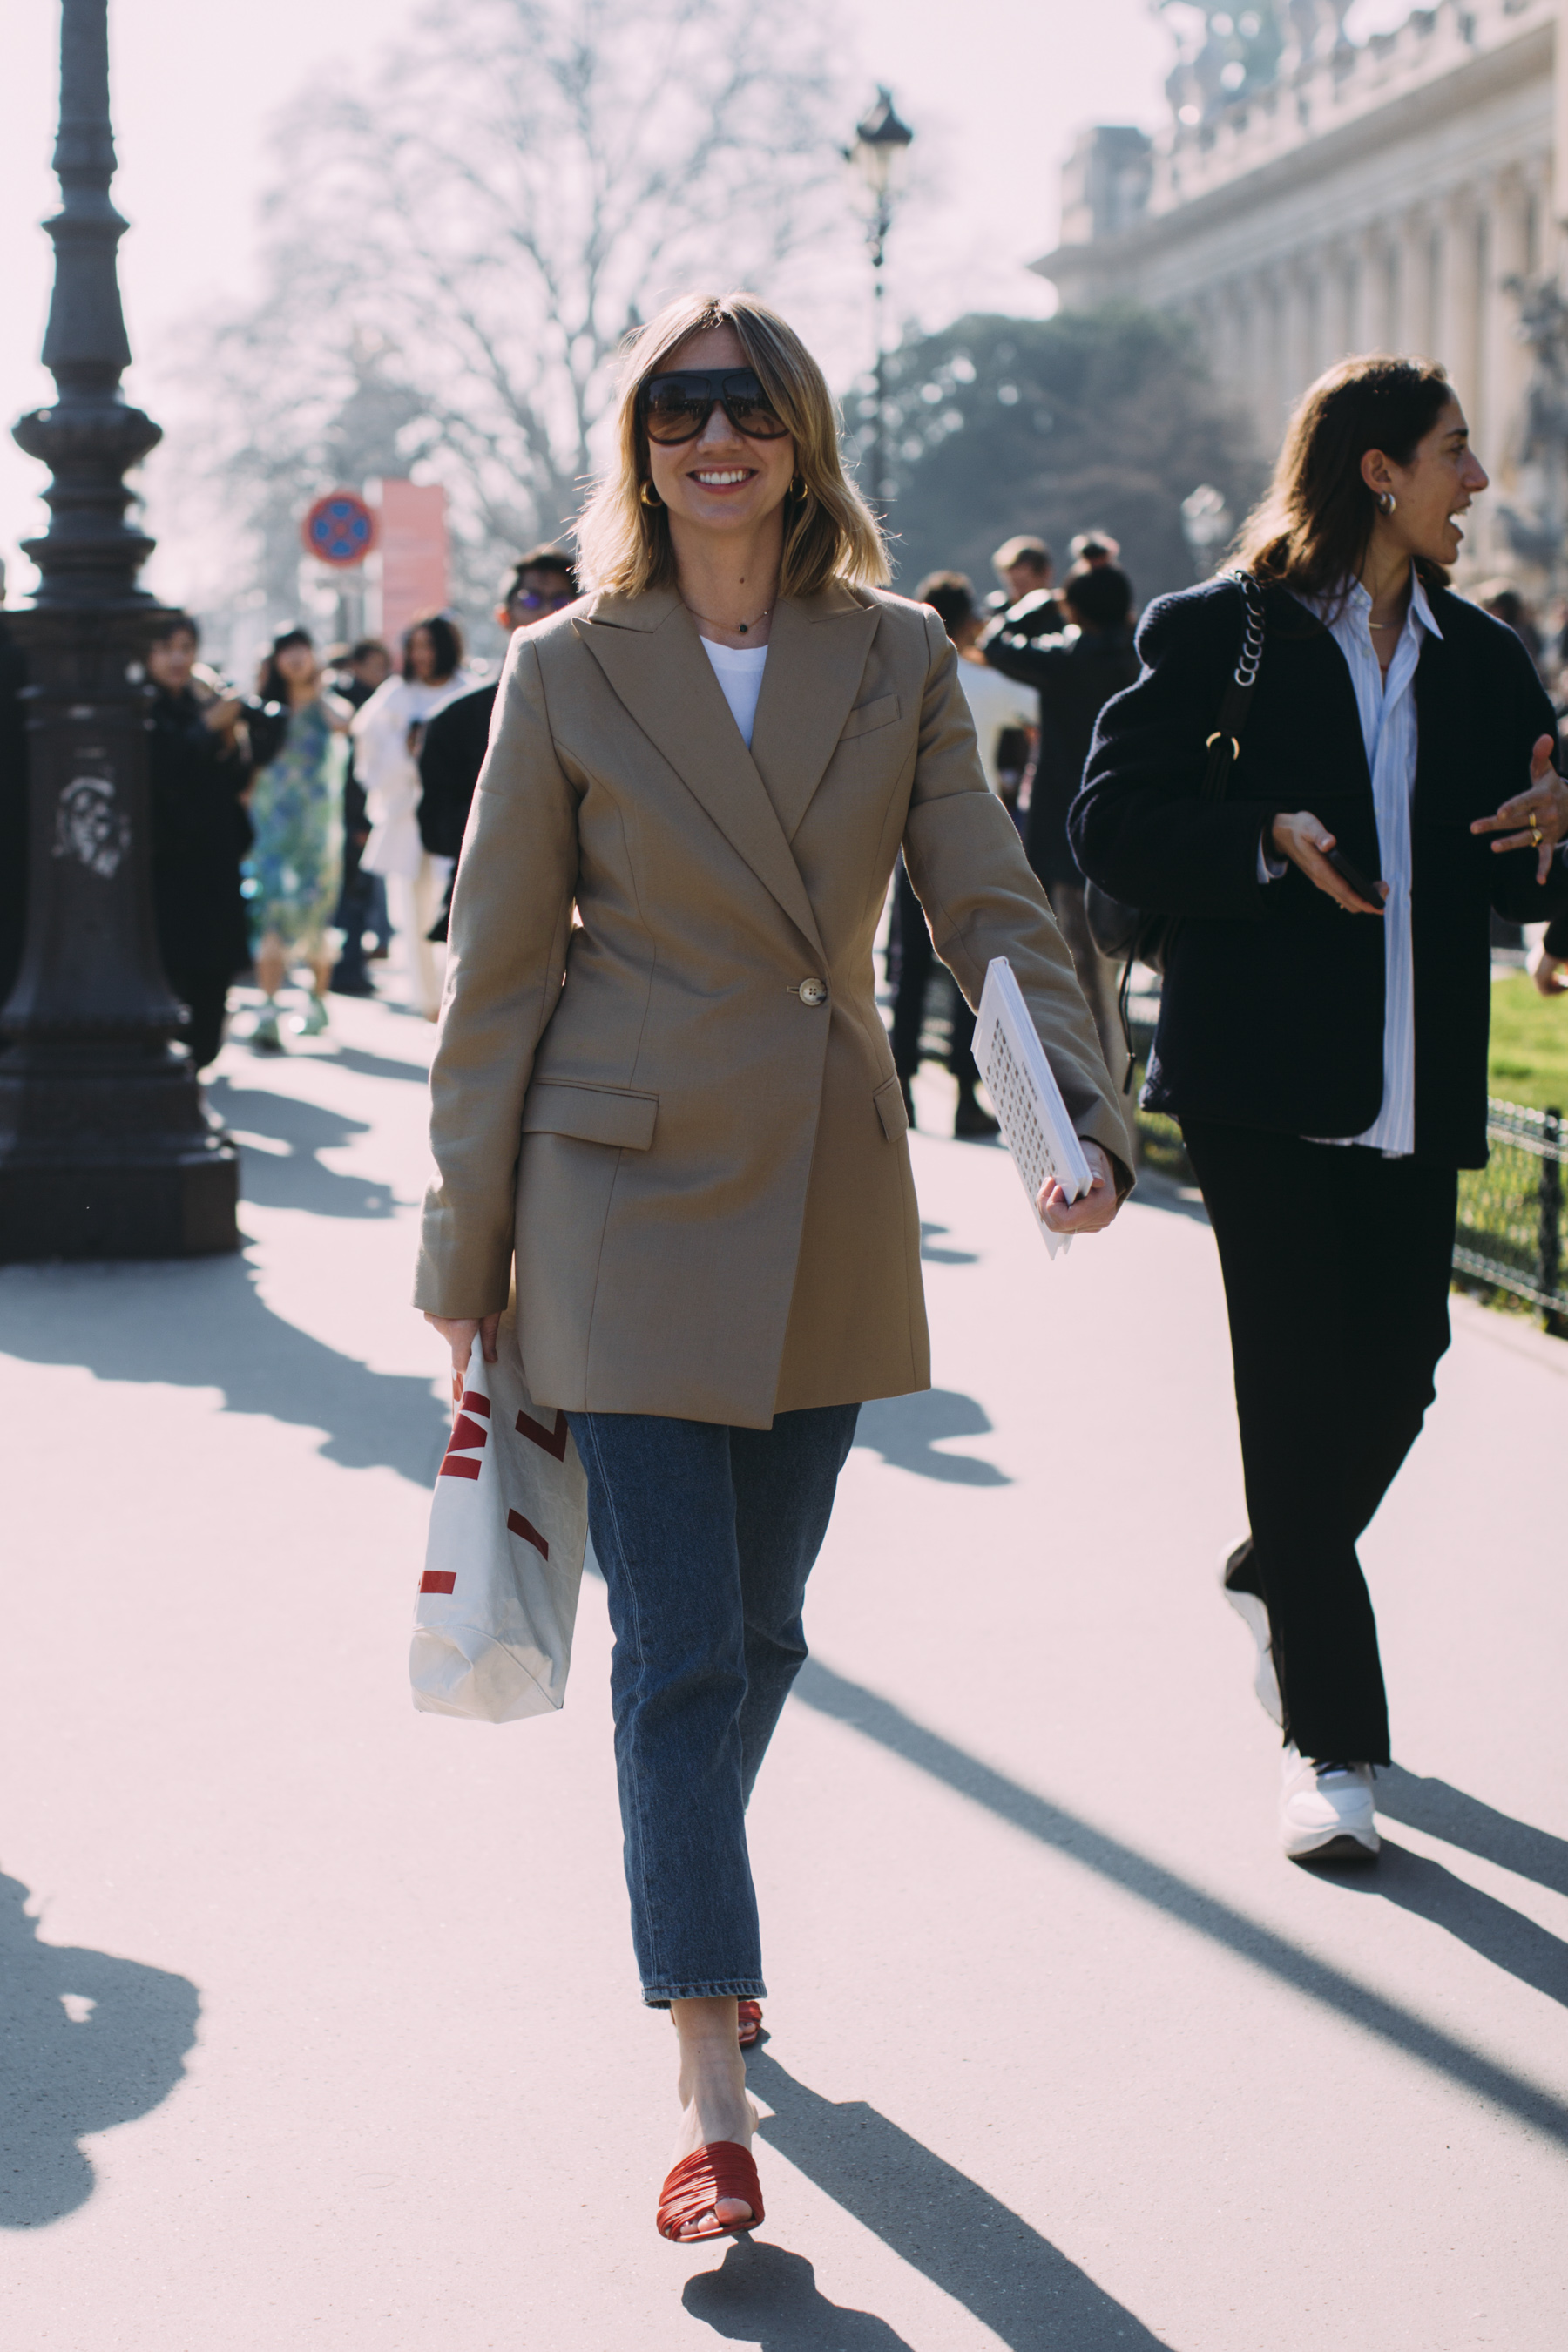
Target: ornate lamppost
{"x": 106, "y": 1150}
{"x": 881, "y": 143}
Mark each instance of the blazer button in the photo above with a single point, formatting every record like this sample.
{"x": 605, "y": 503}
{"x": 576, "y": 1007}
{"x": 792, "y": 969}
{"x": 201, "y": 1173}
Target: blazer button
{"x": 813, "y": 992}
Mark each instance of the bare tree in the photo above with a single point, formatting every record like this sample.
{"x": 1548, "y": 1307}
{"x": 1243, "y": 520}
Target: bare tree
{"x": 455, "y": 251}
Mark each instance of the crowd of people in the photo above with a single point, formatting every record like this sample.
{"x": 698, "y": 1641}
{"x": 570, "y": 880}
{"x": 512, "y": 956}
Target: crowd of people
{"x": 310, "y": 828}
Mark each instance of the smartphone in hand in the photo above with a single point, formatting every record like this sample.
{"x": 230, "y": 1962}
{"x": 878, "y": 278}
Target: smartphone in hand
{"x": 1354, "y": 879}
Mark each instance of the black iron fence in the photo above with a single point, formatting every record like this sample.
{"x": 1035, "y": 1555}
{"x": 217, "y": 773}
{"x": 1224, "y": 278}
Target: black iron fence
{"x": 1510, "y": 1230}
{"x": 1510, "y": 1211}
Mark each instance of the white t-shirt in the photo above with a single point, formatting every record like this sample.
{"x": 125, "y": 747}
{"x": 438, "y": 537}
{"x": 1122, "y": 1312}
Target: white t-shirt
{"x": 994, "y": 702}
{"x": 739, "y": 670}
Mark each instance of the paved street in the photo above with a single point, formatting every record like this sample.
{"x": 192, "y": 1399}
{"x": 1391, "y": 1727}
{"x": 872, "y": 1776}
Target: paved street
{"x": 321, "y": 2017}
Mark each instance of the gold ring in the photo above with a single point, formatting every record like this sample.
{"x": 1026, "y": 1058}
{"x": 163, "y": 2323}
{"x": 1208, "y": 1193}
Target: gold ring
{"x": 1535, "y": 834}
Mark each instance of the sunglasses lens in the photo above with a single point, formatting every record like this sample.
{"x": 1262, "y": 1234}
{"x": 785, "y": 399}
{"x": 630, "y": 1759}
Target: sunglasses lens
{"x": 672, "y": 411}
{"x": 746, "y": 406}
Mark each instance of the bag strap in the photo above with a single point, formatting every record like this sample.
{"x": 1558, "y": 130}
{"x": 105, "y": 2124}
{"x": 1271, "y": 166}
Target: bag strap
{"x": 1223, "y": 750}
{"x": 1224, "y": 743}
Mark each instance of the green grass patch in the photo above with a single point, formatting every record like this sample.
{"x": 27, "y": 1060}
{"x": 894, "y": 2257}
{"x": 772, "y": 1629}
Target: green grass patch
{"x": 1528, "y": 1057}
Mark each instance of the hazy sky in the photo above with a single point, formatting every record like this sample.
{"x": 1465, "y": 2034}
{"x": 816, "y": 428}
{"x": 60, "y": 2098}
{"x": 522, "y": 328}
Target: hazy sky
{"x": 995, "y": 91}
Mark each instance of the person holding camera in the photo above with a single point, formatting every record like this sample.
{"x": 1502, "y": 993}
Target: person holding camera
{"x": 1323, "y": 1031}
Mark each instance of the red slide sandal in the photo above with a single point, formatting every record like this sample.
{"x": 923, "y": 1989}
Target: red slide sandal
{"x": 749, "y": 2019}
{"x": 721, "y": 2167}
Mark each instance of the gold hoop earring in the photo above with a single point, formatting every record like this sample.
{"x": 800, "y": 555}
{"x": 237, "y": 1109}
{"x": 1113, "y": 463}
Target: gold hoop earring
{"x": 650, "y": 496}
{"x": 797, "y": 489}
{"x": 1386, "y": 501}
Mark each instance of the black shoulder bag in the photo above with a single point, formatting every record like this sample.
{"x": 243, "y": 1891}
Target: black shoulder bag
{"x": 1130, "y": 935}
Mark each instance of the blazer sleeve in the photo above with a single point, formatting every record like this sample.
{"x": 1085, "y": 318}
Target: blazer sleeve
{"x": 511, "y": 924}
{"x": 1516, "y": 690}
{"x": 981, "y": 900}
{"x": 1139, "y": 827}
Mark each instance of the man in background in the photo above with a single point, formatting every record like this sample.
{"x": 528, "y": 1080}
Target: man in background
{"x": 361, "y": 902}
{"x": 1090, "y": 548}
{"x": 540, "y": 584}
{"x": 1026, "y": 568}
{"x": 910, "y": 955}
{"x": 1075, "y": 673}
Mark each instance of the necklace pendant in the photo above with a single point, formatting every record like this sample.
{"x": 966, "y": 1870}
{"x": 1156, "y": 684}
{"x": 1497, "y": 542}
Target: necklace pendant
{"x": 742, "y": 626}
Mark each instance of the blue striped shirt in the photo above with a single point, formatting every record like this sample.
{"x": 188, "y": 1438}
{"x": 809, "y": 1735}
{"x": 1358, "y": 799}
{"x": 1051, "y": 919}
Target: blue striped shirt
{"x": 1386, "y": 709}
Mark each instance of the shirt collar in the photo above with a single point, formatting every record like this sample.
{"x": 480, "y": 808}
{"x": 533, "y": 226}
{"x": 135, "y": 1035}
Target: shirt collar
{"x": 1352, "y": 598}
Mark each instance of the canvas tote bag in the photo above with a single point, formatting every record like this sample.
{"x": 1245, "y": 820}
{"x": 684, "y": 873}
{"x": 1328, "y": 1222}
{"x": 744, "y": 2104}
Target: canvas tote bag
{"x": 508, "y": 1526}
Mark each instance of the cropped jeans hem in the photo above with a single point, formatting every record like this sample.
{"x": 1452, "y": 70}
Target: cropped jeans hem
{"x": 718, "y": 1989}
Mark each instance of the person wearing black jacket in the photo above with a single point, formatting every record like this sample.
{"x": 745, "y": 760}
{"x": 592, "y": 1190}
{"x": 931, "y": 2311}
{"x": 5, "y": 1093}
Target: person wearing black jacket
{"x": 1075, "y": 672}
{"x": 199, "y": 770}
{"x": 1323, "y": 1031}
{"x": 456, "y": 740}
{"x": 12, "y": 809}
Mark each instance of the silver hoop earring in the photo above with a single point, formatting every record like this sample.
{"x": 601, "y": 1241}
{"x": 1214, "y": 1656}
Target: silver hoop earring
{"x": 1386, "y": 501}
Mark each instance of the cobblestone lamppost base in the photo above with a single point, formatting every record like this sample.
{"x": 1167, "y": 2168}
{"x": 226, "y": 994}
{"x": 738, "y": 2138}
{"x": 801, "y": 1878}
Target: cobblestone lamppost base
{"x": 106, "y": 1148}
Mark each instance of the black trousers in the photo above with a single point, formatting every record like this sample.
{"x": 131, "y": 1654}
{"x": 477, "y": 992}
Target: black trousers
{"x": 912, "y": 955}
{"x": 1336, "y": 1265}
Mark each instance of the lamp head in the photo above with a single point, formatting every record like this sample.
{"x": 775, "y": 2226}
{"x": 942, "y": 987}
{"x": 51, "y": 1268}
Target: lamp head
{"x": 881, "y": 142}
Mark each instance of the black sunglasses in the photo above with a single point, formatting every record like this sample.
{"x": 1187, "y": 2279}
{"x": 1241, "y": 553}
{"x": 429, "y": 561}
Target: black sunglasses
{"x": 677, "y": 407}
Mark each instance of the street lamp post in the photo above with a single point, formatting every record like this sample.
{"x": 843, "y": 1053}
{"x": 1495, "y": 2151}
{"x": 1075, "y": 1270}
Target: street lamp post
{"x": 881, "y": 142}
{"x": 106, "y": 1150}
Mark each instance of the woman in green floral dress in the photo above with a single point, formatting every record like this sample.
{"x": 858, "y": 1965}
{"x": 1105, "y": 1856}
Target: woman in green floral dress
{"x": 296, "y": 807}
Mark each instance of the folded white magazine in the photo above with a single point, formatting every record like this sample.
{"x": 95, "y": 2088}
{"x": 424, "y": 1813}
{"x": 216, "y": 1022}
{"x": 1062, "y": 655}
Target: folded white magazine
{"x": 1026, "y": 1097}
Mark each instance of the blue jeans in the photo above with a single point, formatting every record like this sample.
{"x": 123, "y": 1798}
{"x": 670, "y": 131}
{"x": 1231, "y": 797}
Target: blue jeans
{"x": 706, "y": 1535}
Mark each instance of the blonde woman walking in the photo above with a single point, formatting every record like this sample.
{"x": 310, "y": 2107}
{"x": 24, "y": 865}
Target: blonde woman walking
{"x": 680, "y": 1118}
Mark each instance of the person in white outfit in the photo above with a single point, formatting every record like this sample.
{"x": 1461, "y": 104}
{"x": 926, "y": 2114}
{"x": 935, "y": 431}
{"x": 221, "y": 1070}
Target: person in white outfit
{"x": 387, "y": 746}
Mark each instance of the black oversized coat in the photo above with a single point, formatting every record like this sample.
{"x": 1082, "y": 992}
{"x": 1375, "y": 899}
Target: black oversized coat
{"x": 1272, "y": 1009}
{"x": 200, "y": 832}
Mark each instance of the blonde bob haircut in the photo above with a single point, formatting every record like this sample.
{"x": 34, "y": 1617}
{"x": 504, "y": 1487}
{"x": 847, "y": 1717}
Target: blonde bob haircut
{"x": 829, "y": 531}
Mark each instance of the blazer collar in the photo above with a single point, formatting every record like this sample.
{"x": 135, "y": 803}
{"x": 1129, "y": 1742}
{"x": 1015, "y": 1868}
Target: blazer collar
{"x": 817, "y": 649}
{"x": 650, "y": 651}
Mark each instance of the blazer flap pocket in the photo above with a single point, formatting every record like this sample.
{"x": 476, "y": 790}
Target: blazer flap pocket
{"x": 889, "y": 1102}
{"x": 593, "y": 1114}
{"x": 867, "y": 715}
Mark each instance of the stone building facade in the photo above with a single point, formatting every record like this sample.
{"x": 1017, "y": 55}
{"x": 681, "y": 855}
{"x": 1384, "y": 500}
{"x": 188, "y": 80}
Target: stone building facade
{"x": 1374, "y": 195}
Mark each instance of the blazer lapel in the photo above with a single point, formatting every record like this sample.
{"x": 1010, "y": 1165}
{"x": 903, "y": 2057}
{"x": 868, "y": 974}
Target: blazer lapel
{"x": 652, "y": 657}
{"x": 816, "y": 657}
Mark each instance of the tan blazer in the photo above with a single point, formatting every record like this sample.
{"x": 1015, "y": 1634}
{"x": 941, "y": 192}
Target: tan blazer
{"x": 696, "y": 1146}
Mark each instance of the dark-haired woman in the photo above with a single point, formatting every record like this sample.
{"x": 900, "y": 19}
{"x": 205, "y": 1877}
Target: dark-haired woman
{"x": 199, "y": 768}
{"x": 387, "y": 735}
{"x": 1323, "y": 1031}
{"x": 296, "y": 808}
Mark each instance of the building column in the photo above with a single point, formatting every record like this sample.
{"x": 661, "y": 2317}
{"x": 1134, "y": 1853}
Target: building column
{"x": 1459, "y": 290}
{"x": 1507, "y": 359}
{"x": 1337, "y": 320}
{"x": 1370, "y": 327}
{"x": 1295, "y": 327}
{"x": 1413, "y": 332}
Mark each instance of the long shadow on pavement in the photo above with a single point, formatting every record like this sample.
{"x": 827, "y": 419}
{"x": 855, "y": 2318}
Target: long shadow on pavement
{"x": 88, "y": 2042}
{"x": 877, "y": 1719}
{"x": 762, "y": 2295}
{"x": 1476, "y": 1828}
{"x": 906, "y": 1430}
{"x": 379, "y": 1066}
{"x": 932, "y": 2216}
{"x": 1414, "y": 1883}
{"x": 202, "y": 1324}
{"x": 293, "y": 1178}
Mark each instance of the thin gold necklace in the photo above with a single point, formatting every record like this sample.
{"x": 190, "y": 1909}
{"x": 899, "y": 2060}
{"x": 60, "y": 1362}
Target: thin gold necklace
{"x": 740, "y": 627}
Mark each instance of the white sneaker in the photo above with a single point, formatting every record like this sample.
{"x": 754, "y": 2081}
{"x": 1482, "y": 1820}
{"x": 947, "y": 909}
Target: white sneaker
{"x": 1255, "y": 1617}
{"x": 1326, "y": 1812}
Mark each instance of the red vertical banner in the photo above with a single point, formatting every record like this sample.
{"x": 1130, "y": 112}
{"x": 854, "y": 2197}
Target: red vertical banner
{"x": 413, "y": 553}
